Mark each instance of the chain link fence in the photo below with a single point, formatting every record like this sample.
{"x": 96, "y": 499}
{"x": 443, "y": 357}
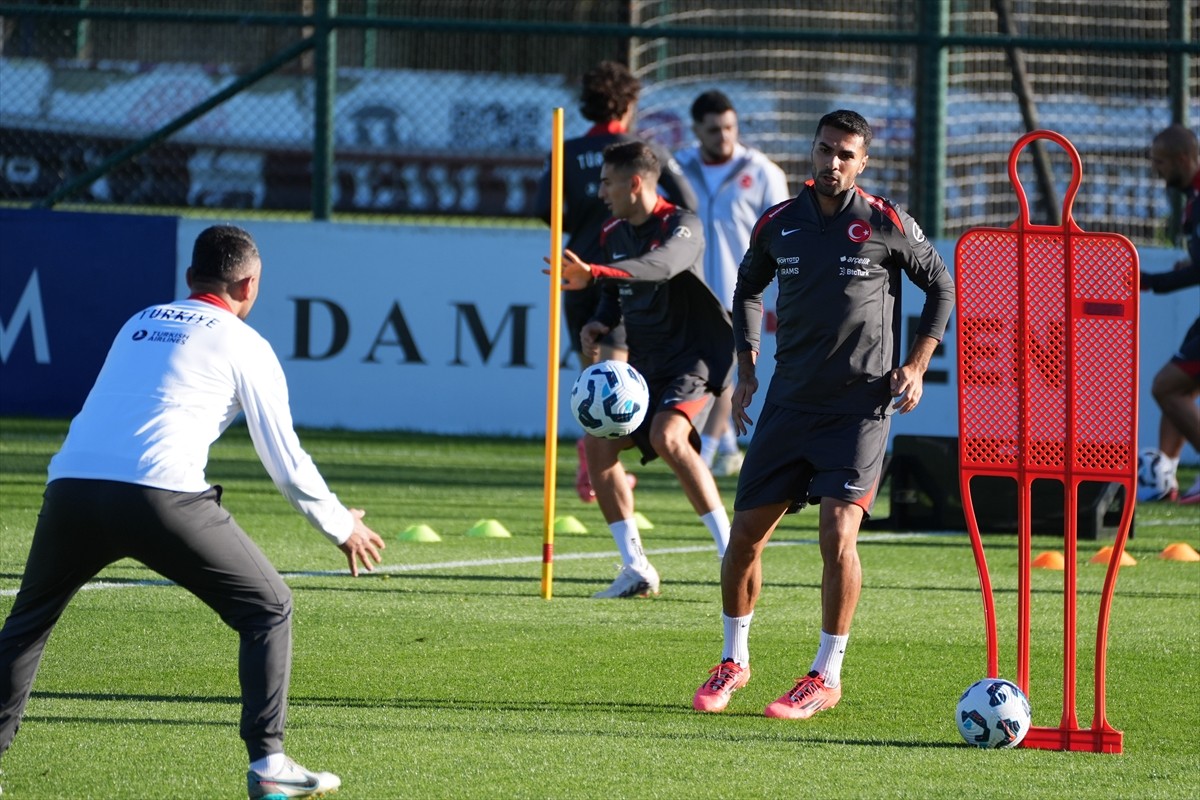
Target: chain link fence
{"x": 1109, "y": 99}
{"x": 443, "y": 106}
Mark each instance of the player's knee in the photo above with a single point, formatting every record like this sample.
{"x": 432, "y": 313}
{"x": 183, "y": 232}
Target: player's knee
{"x": 601, "y": 454}
{"x": 670, "y": 438}
{"x": 662, "y": 442}
{"x": 839, "y": 543}
{"x": 744, "y": 545}
{"x": 1170, "y": 382}
{"x": 1160, "y": 386}
{"x": 262, "y": 613}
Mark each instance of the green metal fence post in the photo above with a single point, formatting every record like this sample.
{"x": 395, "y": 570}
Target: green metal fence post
{"x": 1177, "y": 73}
{"x": 1181, "y": 31}
{"x": 325, "y": 87}
{"x": 371, "y": 37}
{"x": 82, "y": 31}
{"x": 929, "y": 123}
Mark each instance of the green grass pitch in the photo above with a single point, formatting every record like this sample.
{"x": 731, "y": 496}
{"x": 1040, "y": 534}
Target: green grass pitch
{"x": 445, "y": 675}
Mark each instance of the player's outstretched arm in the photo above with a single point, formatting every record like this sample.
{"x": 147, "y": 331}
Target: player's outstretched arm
{"x": 1186, "y": 273}
{"x": 363, "y": 546}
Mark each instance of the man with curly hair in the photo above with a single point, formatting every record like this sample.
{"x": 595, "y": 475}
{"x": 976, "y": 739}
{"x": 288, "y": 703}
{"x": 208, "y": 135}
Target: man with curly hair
{"x": 609, "y": 101}
{"x": 651, "y": 278}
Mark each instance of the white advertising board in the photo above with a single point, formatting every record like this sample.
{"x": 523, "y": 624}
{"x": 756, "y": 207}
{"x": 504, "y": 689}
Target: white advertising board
{"x": 445, "y": 329}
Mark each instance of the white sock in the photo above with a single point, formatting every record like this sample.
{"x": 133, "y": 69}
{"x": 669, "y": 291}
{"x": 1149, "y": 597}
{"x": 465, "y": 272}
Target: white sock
{"x": 269, "y": 765}
{"x": 1171, "y": 467}
{"x": 708, "y": 449}
{"x": 737, "y": 639}
{"x": 729, "y": 442}
{"x": 829, "y": 658}
{"x": 629, "y": 542}
{"x": 717, "y": 522}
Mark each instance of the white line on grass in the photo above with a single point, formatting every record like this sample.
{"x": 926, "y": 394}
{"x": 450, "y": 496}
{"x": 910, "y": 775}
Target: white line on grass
{"x": 496, "y": 562}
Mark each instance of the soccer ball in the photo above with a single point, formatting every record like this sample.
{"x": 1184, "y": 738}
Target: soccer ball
{"x": 610, "y": 399}
{"x": 1155, "y": 479}
{"x": 993, "y": 713}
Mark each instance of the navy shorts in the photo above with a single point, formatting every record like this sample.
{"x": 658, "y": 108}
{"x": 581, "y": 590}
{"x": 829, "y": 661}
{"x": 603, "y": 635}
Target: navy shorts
{"x": 687, "y": 394}
{"x": 798, "y": 457}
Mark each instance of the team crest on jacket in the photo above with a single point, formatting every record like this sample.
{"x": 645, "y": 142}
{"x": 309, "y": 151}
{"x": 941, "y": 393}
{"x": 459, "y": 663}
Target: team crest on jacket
{"x": 746, "y": 181}
{"x": 683, "y": 232}
{"x": 858, "y": 231}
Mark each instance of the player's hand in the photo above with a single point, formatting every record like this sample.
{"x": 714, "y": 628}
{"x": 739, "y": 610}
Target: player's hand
{"x": 363, "y": 546}
{"x": 576, "y": 273}
{"x": 589, "y": 339}
{"x": 743, "y": 393}
{"x": 907, "y": 385}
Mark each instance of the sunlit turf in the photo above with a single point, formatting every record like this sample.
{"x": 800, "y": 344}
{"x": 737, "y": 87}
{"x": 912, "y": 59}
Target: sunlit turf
{"x": 446, "y": 675}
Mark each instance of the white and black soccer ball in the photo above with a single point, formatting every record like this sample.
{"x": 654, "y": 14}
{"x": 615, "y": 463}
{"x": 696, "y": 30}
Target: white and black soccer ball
{"x": 993, "y": 713}
{"x": 1155, "y": 478}
{"x": 610, "y": 399}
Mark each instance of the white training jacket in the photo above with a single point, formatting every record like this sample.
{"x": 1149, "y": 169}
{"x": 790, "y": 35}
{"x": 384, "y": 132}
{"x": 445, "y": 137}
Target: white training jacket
{"x": 174, "y": 379}
{"x": 753, "y": 184}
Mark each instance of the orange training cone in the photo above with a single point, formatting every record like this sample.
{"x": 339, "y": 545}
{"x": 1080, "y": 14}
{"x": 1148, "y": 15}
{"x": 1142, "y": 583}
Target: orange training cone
{"x": 1105, "y": 554}
{"x": 1049, "y": 560}
{"x": 1180, "y": 551}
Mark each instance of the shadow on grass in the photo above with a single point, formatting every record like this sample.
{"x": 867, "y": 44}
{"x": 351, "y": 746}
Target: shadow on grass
{"x": 386, "y": 584}
{"x": 734, "y": 722}
{"x": 116, "y": 697}
{"x": 589, "y": 585}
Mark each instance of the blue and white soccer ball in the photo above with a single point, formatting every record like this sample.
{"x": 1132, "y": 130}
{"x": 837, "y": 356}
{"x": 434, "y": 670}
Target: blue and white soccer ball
{"x": 993, "y": 713}
{"x": 1155, "y": 478}
{"x": 610, "y": 399}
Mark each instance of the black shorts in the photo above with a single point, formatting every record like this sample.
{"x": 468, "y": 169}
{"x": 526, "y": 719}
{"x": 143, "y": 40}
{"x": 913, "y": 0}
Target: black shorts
{"x": 687, "y": 394}
{"x": 799, "y": 457}
{"x": 578, "y": 307}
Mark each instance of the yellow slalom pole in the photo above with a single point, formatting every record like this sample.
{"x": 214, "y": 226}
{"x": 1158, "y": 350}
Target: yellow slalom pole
{"x": 551, "y": 470}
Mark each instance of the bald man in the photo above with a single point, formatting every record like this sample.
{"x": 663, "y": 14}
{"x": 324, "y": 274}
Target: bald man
{"x": 1175, "y": 157}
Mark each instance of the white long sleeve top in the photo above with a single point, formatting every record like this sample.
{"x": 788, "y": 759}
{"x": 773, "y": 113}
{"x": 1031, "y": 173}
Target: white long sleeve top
{"x": 748, "y": 184}
{"x": 174, "y": 379}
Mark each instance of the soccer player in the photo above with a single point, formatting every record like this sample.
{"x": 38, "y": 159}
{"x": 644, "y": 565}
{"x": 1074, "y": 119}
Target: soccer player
{"x": 609, "y": 100}
{"x": 735, "y": 185}
{"x": 678, "y": 334}
{"x": 129, "y": 482}
{"x": 837, "y": 254}
{"x": 1175, "y": 157}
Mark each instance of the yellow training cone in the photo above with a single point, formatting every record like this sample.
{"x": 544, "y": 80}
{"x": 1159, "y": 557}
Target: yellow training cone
{"x": 569, "y": 524}
{"x": 1105, "y": 554}
{"x": 489, "y": 529}
{"x": 1179, "y": 551}
{"x": 642, "y": 523}
{"x": 1049, "y": 560}
{"x": 418, "y": 533}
